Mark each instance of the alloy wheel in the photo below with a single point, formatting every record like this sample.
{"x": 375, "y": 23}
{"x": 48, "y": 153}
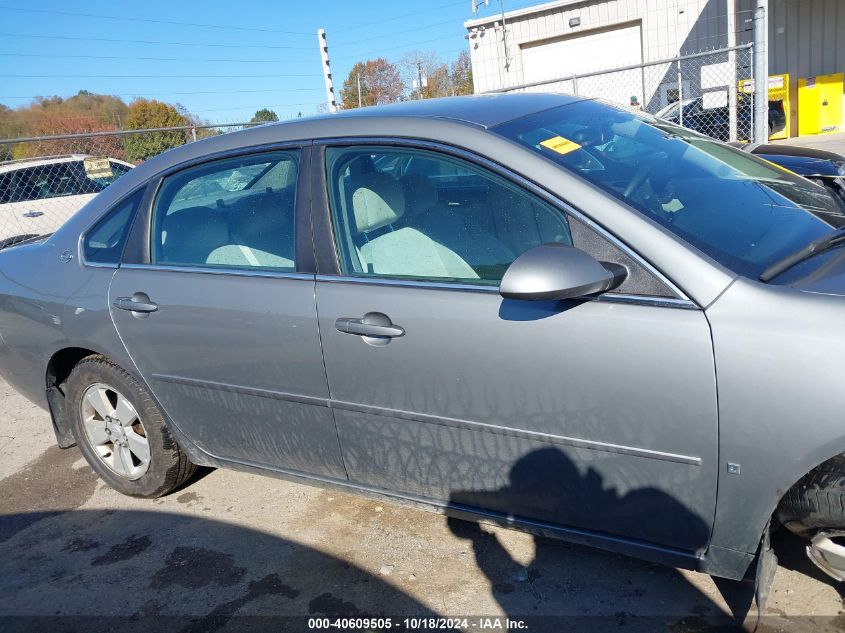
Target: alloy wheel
{"x": 115, "y": 431}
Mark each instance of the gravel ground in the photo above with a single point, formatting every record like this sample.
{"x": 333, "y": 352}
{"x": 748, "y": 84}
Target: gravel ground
{"x": 230, "y": 550}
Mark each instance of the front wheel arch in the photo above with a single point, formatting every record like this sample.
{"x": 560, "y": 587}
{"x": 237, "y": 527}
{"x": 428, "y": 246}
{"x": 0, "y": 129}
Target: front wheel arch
{"x": 816, "y": 500}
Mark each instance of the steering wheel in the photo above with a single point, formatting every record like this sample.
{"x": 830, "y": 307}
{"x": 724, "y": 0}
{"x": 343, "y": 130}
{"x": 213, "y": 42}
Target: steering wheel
{"x": 638, "y": 179}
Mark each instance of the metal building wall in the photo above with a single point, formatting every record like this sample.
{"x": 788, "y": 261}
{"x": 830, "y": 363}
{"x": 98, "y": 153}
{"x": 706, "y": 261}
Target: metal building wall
{"x": 668, "y": 27}
{"x": 806, "y": 38}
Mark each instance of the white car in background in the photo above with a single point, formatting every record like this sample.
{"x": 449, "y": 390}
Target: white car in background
{"x": 37, "y": 195}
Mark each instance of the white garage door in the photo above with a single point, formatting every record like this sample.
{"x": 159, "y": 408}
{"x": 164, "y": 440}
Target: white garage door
{"x": 598, "y": 50}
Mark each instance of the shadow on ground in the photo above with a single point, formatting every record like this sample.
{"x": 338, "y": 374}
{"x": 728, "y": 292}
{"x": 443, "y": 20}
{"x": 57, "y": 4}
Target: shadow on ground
{"x": 63, "y": 568}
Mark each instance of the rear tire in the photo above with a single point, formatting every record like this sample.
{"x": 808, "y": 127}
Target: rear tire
{"x": 817, "y": 501}
{"x": 121, "y": 432}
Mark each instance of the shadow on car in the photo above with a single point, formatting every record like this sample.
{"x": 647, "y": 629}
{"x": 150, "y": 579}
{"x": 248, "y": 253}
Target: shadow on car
{"x": 627, "y": 584}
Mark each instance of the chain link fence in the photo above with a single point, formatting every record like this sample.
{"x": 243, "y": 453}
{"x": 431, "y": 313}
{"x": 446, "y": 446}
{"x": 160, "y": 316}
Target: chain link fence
{"x": 710, "y": 92}
{"x": 46, "y": 179}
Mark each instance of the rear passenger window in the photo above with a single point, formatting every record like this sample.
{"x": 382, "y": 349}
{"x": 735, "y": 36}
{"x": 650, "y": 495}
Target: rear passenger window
{"x": 234, "y": 213}
{"x": 104, "y": 243}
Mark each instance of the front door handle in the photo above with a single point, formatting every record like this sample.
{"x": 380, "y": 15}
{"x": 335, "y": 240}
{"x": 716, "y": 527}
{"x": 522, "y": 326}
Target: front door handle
{"x": 374, "y": 325}
{"x": 32, "y": 214}
{"x": 137, "y": 303}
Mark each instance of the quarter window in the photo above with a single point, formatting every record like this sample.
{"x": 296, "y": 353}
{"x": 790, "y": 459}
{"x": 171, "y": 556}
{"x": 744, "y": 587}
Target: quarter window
{"x": 233, "y": 213}
{"x": 104, "y": 243}
{"x": 418, "y": 214}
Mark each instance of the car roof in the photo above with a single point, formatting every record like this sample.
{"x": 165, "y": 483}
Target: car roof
{"x": 23, "y": 163}
{"x": 447, "y": 120}
{"x": 483, "y": 110}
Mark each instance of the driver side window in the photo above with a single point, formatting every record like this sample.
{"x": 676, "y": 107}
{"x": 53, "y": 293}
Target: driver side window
{"x": 417, "y": 214}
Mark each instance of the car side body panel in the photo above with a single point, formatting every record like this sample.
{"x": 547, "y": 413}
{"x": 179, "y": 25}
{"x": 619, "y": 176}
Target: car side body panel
{"x": 778, "y": 360}
{"x": 497, "y": 404}
{"x": 48, "y": 305}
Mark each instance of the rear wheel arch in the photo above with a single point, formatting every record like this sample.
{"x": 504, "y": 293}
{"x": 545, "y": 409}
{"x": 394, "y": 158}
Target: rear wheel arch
{"x": 59, "y": 366}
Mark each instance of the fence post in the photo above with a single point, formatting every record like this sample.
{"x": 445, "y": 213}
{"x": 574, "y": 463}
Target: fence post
{"x": 761, "y": 74}
{"x": 680, "y": 95}
{"x": 575, "y": 85}
{"x": 194, "y": 134}
{"x": 732, "y": 75}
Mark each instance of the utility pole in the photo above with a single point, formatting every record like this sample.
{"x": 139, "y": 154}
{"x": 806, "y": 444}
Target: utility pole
{"x": 331, "y": 101}
{"x": 732, "y": 85}
{"x": 359, "y": 90}
{"x": 761, "y": 72}
{"x": 505, "y": 36}
{"x": 419, "y": 80}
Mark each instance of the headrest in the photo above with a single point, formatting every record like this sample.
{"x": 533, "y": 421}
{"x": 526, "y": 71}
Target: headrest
{"x": 420, "y": 194}
{"x": 262, "y": 215}
{"x": 190, "y": 234}
{"x": 377, "y": 200}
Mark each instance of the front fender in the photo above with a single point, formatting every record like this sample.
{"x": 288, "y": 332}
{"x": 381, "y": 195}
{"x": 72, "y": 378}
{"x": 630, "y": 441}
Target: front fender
{"x": 780, "y": 356}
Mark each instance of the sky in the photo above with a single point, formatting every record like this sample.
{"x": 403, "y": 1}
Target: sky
{"x": 222, "y": 60}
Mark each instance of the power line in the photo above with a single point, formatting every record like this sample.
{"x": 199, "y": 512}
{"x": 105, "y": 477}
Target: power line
{"x": 407, "y": 46}
{"x": 278, "y": 105}
{"x": 156, "y": 76}
{"x": 152, "y": 21}
{"x": 179, "y": 94}
{"x": 398, "y": 17}
{"x": 412, "y": 30}
{"x": 154, "y": 59}
{"x": 125, "y": 41}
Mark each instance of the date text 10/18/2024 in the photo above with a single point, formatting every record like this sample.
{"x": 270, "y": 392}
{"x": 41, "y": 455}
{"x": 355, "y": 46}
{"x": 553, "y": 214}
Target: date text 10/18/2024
{"x": 416, "y": 624}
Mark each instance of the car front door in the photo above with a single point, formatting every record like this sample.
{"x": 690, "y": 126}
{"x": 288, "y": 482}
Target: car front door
{"x": 219, "y": 321}
{"x": 594, "y": 414}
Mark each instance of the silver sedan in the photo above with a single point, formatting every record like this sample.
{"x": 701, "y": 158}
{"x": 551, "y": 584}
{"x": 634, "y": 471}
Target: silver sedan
{"x": 535, "y": 310}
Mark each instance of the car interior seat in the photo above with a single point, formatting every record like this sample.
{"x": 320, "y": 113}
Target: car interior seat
{"x": 190, "y": 235}
{"x": 261, "y": 232}
{"x": 387, "y": 248}
{"x": 464, "y": 228}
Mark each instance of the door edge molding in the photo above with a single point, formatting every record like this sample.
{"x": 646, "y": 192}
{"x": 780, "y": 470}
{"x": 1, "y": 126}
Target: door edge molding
{"x": 424, "y": 418}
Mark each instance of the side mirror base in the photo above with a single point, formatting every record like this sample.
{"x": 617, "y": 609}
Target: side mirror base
{"x": 556, "y": 272}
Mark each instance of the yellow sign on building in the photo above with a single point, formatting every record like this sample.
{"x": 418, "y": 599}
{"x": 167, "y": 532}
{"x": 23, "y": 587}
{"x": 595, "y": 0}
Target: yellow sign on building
{"x": 820, "y": 104}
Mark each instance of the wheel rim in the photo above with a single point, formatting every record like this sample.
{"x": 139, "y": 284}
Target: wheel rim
{"x": 115, "y": 431}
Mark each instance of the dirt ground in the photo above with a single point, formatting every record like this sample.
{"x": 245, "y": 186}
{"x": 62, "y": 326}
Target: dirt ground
{"x": 232, "y": 551}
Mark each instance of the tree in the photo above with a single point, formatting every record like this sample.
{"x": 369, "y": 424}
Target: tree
{"x": 143, "y": 114}
{"x": 380, "y": 83}
{"x": 461, "y": 74}
{"x": 264, "y": 115}
{"x": 434, "y": 72}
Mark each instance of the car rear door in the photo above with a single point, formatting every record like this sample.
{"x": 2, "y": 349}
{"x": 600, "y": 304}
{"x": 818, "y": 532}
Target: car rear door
{"x": 596, "y": 414}
{"x": 214, "y": 307}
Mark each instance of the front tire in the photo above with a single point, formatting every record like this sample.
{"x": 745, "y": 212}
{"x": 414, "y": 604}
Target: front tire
{"x": 121, "y": 432}
{"x": 817, "y": 501}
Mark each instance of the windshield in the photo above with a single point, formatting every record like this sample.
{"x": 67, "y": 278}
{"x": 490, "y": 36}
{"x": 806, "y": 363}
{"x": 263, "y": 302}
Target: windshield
{"x": 743, "y": 211}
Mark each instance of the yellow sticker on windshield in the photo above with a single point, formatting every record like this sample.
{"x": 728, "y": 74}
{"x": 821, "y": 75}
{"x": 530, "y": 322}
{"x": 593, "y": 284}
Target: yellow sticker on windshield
{"x": 560, "y": 145}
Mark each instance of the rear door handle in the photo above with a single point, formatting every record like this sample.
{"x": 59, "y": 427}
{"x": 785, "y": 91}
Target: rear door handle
{"x": 139, "y": 302}
{"x": 374, "y": 324}
{"x": 32, "y": 214}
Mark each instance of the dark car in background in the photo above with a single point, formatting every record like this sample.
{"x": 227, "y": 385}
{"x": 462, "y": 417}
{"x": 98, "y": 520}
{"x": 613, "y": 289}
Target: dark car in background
{"x": 820, "y": 166}
{"x": 715, "y": 122}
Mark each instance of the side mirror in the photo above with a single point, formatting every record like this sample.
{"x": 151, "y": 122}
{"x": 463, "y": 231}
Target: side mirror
{"x": 556, "y": 271}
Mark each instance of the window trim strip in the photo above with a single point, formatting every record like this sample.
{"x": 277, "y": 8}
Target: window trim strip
{"x": 214, "y": 270}
{"x": 651, "y": 300}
